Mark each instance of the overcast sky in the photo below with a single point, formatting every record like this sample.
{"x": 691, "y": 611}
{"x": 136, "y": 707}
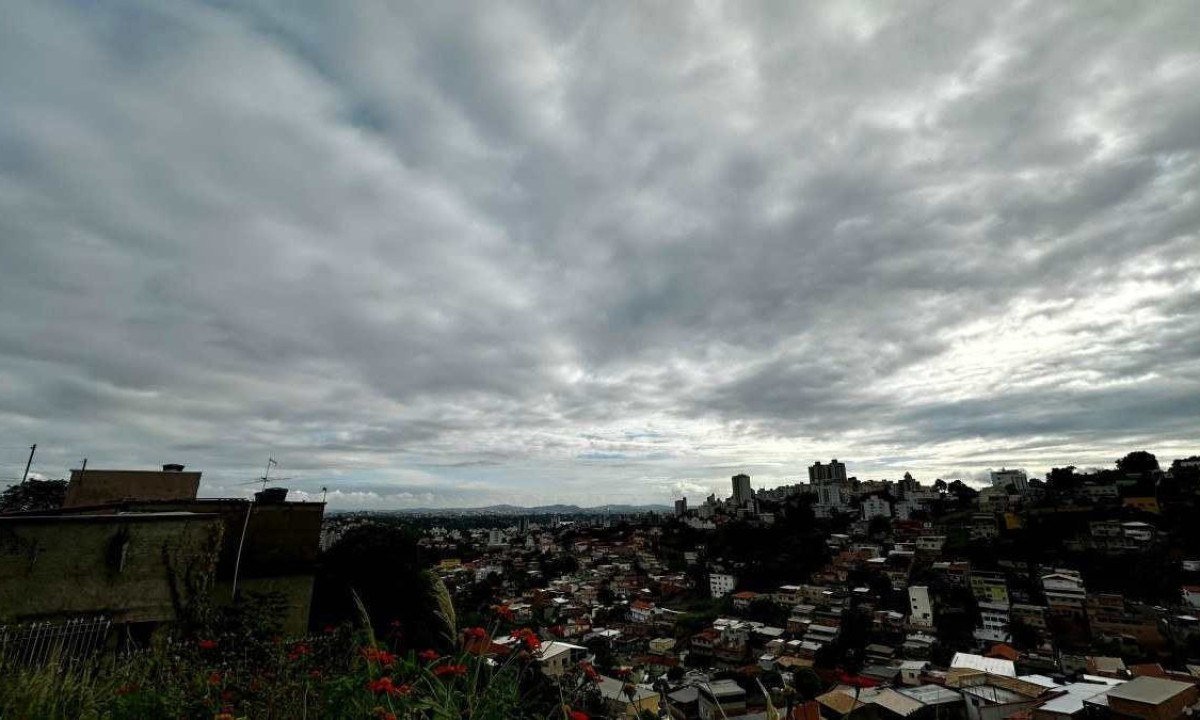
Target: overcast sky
{"x": 430, "y": 254}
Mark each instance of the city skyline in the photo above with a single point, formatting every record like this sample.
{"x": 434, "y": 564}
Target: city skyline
{"x": 459, "y": 256}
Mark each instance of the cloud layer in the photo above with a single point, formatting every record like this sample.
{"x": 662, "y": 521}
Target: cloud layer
{"x": 451, "y": 255}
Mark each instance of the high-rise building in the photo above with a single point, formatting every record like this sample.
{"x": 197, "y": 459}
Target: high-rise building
{"x": 1003, "y": 478}
{"x": 742, "y": 494}
{"x": 681, "y": 507}
{"x": 833, "y": 471}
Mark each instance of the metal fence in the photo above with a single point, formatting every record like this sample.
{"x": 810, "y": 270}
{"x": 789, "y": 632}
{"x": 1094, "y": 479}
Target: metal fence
{"x": 41, "y": 642}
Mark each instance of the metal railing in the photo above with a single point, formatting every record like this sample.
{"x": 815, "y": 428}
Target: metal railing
{"x": 38, "y": 643}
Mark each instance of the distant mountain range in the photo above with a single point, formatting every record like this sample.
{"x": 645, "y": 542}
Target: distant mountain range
{"x": 539, "y": 510}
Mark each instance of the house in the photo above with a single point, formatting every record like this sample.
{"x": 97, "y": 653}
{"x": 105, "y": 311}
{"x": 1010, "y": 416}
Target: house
{"x": 1111, "y": 617}
{"x": 555, "y": 657}
{"x": 640, "y": 611}
{"x": 942, "y": 703}
{"x": 993, "y": 666}
{"x": 626, "y": 700}
{"x": 720, "y": 699}
{"x": 993, "y": 623}
{"x": 989, "y": 587}
{"x": 911, "y": 671}
{"x": 742, "y": 600}
{"x": 1148, "y": 698}
{"x": 994, "y": 697}
{"x": 1065, "y": 594}
{"x": 1069, "y": 702}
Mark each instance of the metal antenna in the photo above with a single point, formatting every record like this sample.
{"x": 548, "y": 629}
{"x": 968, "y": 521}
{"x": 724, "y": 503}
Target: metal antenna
{"x": 267, "y": 475}
{"x": 237, "y": 563}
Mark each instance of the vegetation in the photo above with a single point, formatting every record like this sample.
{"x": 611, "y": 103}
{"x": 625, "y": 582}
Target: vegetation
{"x": 341, "y": 675}
{"x": 33, "y": 495}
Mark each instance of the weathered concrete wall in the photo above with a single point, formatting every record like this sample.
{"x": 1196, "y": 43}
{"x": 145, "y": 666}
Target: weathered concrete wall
{"x": 132, "y": 568}
{"x": 296, "y": 591}
{"x": 97, "y": 487}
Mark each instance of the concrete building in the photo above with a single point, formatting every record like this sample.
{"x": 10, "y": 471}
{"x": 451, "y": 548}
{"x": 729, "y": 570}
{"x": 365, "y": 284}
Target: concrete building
{"x": 993, "y": 623}
{"x": 681, "y": 507}
{"x": 874, "y": 506}
{"x": 989, "y": 587}
{"x": 835, "y": 471}
{"x": 720, "y": 584}
{"x": 920, "y": 608}
{"x": 270, "y": 543}
{"x": 138, "y": 570}
{"x": 1002, "y": 478}
{"x": 99, "y": 487}
{"x": 1065, "y": 594}
{"x": 742, "y": 494}
{"x": 1149, "y": 698}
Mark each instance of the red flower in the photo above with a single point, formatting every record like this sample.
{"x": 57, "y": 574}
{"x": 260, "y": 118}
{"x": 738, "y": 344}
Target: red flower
{"x": 428, "y": 655}
{"x": 503, "y": 612}
{"x": 214, "y": 678}
{"x": 578, "y": 715}
{"x": 385, "y": 685}
{"x": 382, "y": 714}
{"x": 589, "y": 671}
{"x": 298, "y": 651}
{"x": 383, "y": 657}
{"x": 207, "y": 644}
{"x": 528, "y": 638}
{"x": 475, "y": 633}
{"x": 450, "y": 670}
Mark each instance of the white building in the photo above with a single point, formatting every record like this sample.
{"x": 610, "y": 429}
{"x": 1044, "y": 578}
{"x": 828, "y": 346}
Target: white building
{"x": 920, "y": 609}
{"x": 1003, "y": 478}
{"x": 720, "y": 584}
{"x": 993, "y": 623}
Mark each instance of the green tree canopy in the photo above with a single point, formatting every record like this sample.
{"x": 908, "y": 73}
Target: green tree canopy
{"x": 34, "y": 495}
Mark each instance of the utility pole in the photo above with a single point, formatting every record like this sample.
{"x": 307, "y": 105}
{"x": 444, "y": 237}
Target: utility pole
{"x": 83, "y": 468}
{"x": 32, "y": 450}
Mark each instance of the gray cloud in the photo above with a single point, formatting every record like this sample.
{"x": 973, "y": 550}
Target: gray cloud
{"x": 588, "y": 253}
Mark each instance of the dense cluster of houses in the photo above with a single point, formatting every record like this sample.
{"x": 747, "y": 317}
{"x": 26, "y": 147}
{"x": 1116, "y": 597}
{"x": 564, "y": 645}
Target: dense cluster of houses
{"x": 867, "y": 634}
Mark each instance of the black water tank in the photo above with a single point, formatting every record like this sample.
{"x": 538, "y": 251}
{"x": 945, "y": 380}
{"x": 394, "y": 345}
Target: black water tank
{"x": 172, "y": 467}
{"x": 271, "y": 496}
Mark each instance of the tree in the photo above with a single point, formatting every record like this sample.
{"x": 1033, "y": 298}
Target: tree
{"x": 962, "y": 491}
{"x": 383, "y": 567}
{"x": 34, "y": 495}
{"x": 1062, "y": 480}
{"x": 1138, "y": 462}
{"x": 807, "y": 683}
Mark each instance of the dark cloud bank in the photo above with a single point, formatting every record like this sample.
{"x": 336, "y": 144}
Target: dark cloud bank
{"x": 450, "y": 255}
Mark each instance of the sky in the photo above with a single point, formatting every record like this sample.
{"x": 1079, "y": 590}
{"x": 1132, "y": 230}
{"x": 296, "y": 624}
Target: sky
{"x": 453, "y": 254}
